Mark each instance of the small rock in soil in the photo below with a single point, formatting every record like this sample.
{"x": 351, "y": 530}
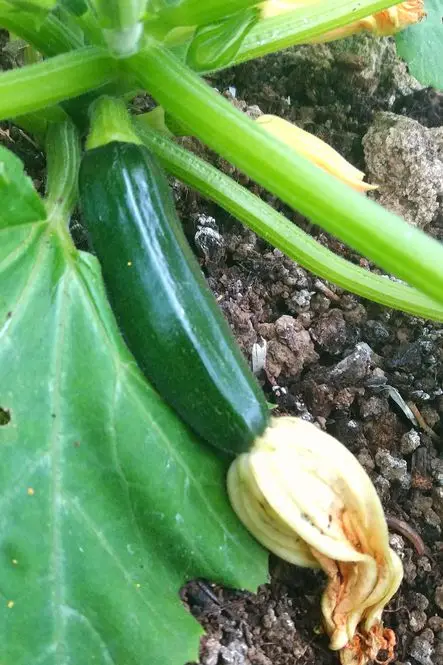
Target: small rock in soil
{"x": 383, "y": 487}
{"x": 376, "y": 333}
{"x": 289, "y": 348}
{"x": 439, "y": 597}
{"x": 320, "y": 397}
{"x": 420, "y": 505}
{"x": 417, "y": 620}
{"x": 410, "y": 442}
{"x": 409, "y": 568}
{"x": 373, "y": 407}
{"x": 438, "y": 136}
{"x": 240, "y": 320}
{"x": 402, "y": 158}
{"x": 398, "y": 544}
{"x": 257, "y": 657}
{"x": 300, "y": 301}
{"x": 418, "y": 601}
{"x": 435, "y": 623}
{"x": 353, "y": 369}
{"x": 330, "y": 331}
{"x": 422, "y": 651}
{"x": 385, "y": 431}
{"x": 437, "y": 501}
{"x": 437, "y": 471}
{"x": 208, "y": 240}
{"x": 233, "y": 654}
{"x": 393, "y": 468}
{"x": 365, "y": 459}
{"x": 209, "y": 651}
{"x": 407, "y": 358}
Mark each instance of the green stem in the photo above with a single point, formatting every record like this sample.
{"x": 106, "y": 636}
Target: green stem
{"x": 36, "y": 124}
{"x": 121, "y": 24}
{"x": 373, "y": 231}
{"x": 303, "y": 25}
{"x": 46, "y": 83}
{"x": 202, "y": 12}
{"x": 49, "y": 36}
{"x": 280, "y": 232}
{"x": 110, "y": 122}
{"x": 155, "y": 120}
{"x": 63, "y": 162}
{"x": 91, "y": 28}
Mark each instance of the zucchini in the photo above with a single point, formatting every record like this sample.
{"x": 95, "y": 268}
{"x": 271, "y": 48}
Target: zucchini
{"x": 164, "y": 308}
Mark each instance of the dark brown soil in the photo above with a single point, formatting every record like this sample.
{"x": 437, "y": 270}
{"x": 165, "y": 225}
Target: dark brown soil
{"x": 332, "y": 357}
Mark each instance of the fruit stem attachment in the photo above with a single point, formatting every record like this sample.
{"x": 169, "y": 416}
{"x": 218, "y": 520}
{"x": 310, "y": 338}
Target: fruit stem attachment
{"x": 110, "y": 121}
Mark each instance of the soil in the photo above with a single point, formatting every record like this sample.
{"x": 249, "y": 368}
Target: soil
{"x": 368, "y": 375}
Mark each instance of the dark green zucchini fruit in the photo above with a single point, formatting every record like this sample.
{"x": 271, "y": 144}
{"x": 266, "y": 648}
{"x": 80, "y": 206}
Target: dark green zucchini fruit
{"x": 166, "y": 312}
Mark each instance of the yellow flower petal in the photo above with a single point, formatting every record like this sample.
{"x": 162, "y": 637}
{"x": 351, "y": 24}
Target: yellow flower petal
{"x": 389, "y": 21}
{"x": 262, "y": 520}
{"x": 314, "y": 149}
{"x": 304, "y": 496}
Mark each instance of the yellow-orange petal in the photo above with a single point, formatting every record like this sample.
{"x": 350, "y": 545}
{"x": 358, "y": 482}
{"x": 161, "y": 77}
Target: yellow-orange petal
{"x": 316, "y": 150}
{"x": 392, "y": 20}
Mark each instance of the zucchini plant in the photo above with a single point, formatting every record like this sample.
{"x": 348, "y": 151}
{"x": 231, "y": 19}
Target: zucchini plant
{"x": 117, "y": 368}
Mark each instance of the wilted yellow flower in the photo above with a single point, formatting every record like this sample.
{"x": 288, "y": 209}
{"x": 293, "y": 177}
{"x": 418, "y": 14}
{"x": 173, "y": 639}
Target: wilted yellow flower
{"x": 387, "y": 22}
{"x": 315, "y": 150}
{"x": 306, "y": 498}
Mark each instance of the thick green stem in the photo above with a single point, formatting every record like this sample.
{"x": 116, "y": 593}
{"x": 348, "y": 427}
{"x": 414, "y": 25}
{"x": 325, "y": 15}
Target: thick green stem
{"x": 91, "y": 28}
{"x": 63, "y": 162}
{"x": 49, "y": 36}
{"x": 46, "y": 83}
{"x": 281, "y": 233}
{"x": 303, "y": 25}
{"x": 110, "y": 122}
{"x": 155, "y": 120}
{"x": 367, "y": 227}
{"x": 36, "y": 124}
{"x": 201, "y": 12}
{"x": 121, "y": 23}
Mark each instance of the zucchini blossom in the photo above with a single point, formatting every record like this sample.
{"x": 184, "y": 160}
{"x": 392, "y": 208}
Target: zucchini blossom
{"x": 306, "y": 498}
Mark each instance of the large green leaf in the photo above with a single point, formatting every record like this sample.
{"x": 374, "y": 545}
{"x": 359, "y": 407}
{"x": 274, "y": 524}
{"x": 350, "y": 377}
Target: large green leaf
{"x": 421, "y": 45}
{"x": 20, "y": 203}
{"x": 107, "y": 503}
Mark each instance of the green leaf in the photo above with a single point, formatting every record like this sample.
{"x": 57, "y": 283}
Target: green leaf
{"x": 421, "y": 45}
{"x": 20, "y": 203}
{"x": 108, "y": 503}
{"x": 76, "y": 7}
{"x": 33, "y": 5}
